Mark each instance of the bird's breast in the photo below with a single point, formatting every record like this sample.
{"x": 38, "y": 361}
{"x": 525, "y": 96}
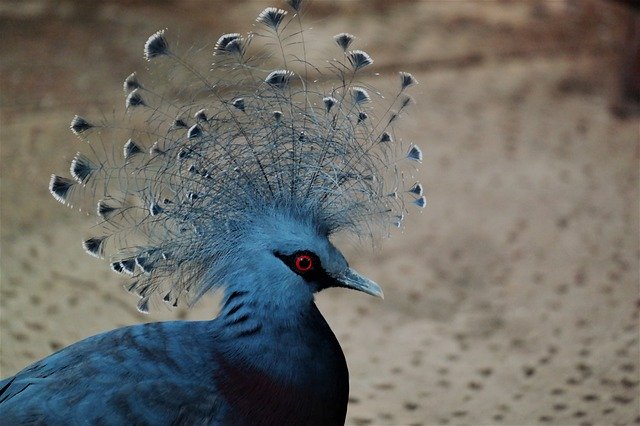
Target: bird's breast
{"x": 285, "y": 378}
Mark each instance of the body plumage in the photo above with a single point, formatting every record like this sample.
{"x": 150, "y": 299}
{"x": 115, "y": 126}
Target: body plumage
{"x": 148, "y": 374}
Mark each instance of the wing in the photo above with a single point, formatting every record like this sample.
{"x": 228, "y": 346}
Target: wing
{"x": 147, "y": 372}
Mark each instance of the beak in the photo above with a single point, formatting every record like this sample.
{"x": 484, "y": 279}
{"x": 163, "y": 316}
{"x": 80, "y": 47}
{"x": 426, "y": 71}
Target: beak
{"x": 353, "y": 280}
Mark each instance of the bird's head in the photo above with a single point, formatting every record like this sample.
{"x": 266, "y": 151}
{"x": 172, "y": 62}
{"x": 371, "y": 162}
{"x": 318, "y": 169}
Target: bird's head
{"x": 291, "y": 257}
{"x": 239, "y": 179}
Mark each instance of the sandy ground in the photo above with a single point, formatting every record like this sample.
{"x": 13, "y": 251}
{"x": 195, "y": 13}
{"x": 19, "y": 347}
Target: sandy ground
{"x": 512, "y": 299}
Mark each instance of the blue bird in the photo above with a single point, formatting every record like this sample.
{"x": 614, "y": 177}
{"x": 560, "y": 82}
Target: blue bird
{"x": 234, "y": 179}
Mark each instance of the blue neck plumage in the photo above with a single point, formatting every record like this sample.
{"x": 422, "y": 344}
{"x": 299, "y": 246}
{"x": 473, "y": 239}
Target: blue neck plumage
{"x": 269, "y": 336}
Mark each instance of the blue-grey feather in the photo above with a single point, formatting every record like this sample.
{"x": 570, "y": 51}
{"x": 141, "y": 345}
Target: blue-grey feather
{"x": 277, "y": 165}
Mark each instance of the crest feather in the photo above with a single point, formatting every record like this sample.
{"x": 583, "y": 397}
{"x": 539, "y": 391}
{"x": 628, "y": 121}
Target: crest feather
{"x": 212, "y": 154}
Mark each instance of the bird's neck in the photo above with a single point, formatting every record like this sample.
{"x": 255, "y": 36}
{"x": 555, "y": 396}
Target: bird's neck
{"x": 286, "y": 356}
{"x": 267, "y": 333}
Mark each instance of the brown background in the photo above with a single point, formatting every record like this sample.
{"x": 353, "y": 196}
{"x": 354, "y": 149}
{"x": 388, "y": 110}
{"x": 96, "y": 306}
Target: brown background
{"x": 512, "y": 298}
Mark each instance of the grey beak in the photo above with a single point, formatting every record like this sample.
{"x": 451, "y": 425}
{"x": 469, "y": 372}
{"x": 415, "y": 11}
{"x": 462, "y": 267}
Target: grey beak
{"x": 352, "y": 279}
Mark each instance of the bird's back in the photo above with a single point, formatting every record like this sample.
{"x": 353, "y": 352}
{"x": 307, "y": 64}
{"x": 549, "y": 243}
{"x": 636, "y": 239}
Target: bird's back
{"x": 151, "y": 372}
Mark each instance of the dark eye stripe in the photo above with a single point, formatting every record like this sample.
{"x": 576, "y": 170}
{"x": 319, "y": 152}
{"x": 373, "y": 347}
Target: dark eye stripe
{"x": 314, "y": 273}
{"x": 297, "y": 262}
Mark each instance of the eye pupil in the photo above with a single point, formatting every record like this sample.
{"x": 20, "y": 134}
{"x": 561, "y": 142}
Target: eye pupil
{"x": 304, "y": 263}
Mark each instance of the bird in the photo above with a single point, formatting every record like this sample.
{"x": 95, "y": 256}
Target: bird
{"x": 233, "y": 180}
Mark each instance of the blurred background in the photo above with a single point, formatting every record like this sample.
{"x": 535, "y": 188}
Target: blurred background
{"x": 513, "y": 298}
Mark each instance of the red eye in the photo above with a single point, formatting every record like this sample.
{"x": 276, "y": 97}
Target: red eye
{"x": 304, "y": 263}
